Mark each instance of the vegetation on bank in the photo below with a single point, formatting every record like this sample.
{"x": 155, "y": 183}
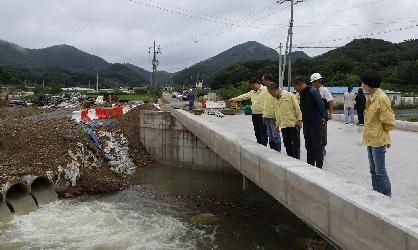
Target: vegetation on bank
{"x": 398, "y": 64}
{"x": 410, "y": 118}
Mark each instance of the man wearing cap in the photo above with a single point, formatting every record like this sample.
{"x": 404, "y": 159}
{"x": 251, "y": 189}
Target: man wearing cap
{"x": 316, "y": 80}
{"x": 258, "y": 96}
{"x": 313, "y": 112}
{"x": 379, "y": 120}
{"x": 288, "y": 118}
{"x": 268, "y": 116}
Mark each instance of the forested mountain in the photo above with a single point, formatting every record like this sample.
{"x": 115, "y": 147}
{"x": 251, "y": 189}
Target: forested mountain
{"x": 66, "y": 65}
{"x": 163, "y": 76}
{"x": 65, "y": 57}
{"x": 246, "y": 52}
{"x": 398, "y": 64}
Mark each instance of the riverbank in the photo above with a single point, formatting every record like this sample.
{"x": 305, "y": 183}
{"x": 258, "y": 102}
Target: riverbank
{"x": 42, "y": 142}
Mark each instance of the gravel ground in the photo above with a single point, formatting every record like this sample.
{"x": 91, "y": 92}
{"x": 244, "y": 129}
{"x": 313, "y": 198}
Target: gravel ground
{"x": 36, "y": 141}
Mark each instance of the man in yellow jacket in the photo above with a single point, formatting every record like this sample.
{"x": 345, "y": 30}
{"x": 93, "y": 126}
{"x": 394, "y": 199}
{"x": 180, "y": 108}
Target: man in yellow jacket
{"x": 269, "y": 118}
{"x": 379, "y": 120}
{"x": 288, "y": 118}
{"x": 258, "y": 96}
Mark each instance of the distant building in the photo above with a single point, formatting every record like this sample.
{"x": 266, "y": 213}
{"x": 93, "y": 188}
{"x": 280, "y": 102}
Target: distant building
{"x": 168, "y": 88}
{"x": 408, "y": 100}
{"x": 77, "y": 89}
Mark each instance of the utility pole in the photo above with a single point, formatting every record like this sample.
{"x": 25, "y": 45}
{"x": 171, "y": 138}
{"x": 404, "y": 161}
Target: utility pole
{"x": 280, "y": 67}
{"x": 289, "y": 72}
{"x": 97, "y": 83}
{"x": 43, "y": 83}
{"x": 155, "y": 63}
{"x": 289, "y": 42}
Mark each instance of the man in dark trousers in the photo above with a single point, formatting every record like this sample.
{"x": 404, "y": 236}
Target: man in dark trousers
{"x": 313, "y": 114}
{"x": 190, "y": 98}
{"x": 257, "y": 96}
{"x": 360, "y": 106}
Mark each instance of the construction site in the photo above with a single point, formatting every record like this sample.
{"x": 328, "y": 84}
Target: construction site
{"x": 49, "y": 144}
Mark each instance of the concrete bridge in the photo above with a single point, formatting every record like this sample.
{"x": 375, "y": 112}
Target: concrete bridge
{"x": 337, "y": 201}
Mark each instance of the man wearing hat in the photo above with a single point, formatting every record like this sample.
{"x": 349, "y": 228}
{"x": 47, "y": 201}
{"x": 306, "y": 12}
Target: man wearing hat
{"x": 379, "y": 120}
{"x": 316, "y": 81}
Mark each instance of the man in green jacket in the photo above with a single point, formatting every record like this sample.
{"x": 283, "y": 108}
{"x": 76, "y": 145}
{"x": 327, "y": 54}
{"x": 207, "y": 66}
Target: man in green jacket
{"x": 257, "y": 96}
{"x": 288, "y": 118}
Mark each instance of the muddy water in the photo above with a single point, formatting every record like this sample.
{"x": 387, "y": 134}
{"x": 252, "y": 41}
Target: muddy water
{"x": 22, "y": 205}
{"x": 169, "y": 208}
{"x": 5, "y": 215}
{"x": 44, "y": 195}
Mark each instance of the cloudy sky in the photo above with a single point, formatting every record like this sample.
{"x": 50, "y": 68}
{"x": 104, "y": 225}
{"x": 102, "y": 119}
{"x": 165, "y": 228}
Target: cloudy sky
{"x": 191, "y": 30}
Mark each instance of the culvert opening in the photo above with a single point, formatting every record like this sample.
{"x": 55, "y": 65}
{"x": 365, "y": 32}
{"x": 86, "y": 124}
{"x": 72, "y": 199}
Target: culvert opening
{"x": 18, "y": 199}
{"x": 17, "y": 191}
{"x": 43, "y": 191}
{"x": 41, "y": 183}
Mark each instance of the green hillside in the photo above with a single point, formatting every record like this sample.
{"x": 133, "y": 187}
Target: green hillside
{"x": 246, "y": 52}
{"x": 398, "y": 64}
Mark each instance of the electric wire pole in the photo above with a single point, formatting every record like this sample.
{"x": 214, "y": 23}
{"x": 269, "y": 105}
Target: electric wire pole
{"x": 155, "y": 63}
{"x": 289, "y": 42}
{"x": 280, "y": 67}
{"x": 289, "y": 72}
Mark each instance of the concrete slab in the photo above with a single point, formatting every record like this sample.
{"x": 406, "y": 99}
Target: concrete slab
{"x": 308, "y": 199}
{"x": 273, "y": 174}
{"x": 352, "y": 215}
{"x": 226, "y": 149}
{"x": 250, "y": 161}
{"x": 346, "y": 156}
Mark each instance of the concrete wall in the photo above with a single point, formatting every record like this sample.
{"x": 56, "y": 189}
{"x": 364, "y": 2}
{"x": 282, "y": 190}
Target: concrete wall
{"x": 352, "y": 216}
{"x": 401, "y": 125}
{"x": 172, "y": 144}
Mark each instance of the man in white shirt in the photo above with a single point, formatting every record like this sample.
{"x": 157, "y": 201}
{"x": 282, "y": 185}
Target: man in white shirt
{"x": 316, "y": 80}
{"x": 349, "y": 101}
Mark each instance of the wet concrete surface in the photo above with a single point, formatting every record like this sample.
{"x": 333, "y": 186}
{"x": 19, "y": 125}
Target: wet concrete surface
{"x": 347, "y": 157}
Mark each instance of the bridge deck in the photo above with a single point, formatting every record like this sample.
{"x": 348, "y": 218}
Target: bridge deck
{"x": 331, "y": 201}
{"x": 347, "y": 157}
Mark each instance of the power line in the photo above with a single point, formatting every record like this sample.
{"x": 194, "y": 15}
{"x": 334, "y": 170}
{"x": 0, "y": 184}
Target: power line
{"x": 211, "y": 33}
{"x": 190, "y": 11}
{"x": 178, "y": 12}
{"x": 202, "y": 36}
{"x": 362, "y": 35}
{"x": 315, "y": 47}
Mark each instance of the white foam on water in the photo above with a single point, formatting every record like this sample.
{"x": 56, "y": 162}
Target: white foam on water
{"x": 71, "y": 224}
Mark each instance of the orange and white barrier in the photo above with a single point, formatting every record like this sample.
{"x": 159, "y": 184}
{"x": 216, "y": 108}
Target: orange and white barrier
{"x": 101, "y": 113}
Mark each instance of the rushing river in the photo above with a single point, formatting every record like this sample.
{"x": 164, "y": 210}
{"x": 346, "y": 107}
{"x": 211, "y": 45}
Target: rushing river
{"x": 168, "y": 208}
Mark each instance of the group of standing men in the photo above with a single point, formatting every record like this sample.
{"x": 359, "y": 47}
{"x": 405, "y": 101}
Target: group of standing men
{"x": 278, "y": 113}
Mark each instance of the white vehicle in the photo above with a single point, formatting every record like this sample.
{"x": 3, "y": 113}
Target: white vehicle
{"x": 99, "y": 100}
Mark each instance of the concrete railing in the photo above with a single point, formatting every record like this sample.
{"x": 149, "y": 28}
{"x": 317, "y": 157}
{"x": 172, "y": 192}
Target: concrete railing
{"x": 350, "y": 215}
{"x": 401, "y": 125}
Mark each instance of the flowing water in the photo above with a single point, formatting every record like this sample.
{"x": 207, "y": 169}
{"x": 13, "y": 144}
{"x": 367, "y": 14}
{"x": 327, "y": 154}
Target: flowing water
{"x": 168, "y": 208}
{"x": 44, "y": 195}
{"x": 22, "y": 205}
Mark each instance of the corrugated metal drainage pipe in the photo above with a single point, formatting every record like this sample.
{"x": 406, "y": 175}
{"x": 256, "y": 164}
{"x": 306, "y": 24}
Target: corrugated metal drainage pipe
{"x": 43, "y": 191}
{"x": 18, "y": 199}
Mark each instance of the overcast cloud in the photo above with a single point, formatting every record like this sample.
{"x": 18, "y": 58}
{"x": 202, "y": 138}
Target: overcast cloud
{"x": 122, "y": 30}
